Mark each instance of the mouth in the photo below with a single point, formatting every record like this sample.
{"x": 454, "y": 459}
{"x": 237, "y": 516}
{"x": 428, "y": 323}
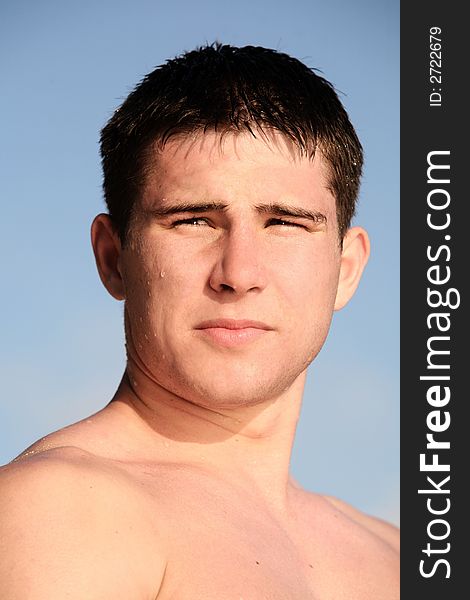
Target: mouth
{"x": 230, "y": 333}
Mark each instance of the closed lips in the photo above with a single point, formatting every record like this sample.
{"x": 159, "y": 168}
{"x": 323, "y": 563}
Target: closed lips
{"x": 232, "y": 333}
{"x": 233, "y": 324}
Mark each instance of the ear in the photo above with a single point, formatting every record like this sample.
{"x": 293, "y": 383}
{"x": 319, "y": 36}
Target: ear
{"x": 107, "y": 248}
{"x": 354, "y": 257}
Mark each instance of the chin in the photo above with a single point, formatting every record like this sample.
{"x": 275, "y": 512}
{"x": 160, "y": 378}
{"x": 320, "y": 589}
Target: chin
{"x": 239, "y": 388}
{"x": 229, "y": 399}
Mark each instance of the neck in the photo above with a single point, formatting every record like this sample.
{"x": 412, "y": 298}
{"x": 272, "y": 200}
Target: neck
{"x": 248, "y": 446}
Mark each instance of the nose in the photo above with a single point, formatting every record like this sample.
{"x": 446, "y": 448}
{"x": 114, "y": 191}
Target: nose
{"x": 239, "y": 267}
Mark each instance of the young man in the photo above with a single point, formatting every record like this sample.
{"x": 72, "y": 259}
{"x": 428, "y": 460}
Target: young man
{"x": 231, "y": 176}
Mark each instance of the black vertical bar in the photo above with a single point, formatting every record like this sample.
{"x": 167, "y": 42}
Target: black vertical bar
{"x": 435, "y": 259}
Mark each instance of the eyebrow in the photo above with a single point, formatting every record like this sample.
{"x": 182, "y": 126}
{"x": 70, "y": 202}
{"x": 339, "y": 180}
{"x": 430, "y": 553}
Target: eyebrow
{"x": 280, "y": 210}
{"x": 187, "y": 207}
{"x": 286, "y": 210}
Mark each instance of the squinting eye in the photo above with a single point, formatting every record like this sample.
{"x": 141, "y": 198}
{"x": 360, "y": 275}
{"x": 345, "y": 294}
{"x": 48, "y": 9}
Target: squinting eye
{"x": 284, "y": 223}
{"x": 194, "y": 221}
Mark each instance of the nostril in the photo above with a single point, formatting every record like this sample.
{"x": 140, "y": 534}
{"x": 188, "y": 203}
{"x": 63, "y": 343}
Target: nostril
{"x": 226, "y": 287}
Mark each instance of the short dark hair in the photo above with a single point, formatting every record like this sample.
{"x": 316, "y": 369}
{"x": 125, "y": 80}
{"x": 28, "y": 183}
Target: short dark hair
{"x": 225, "y": 89}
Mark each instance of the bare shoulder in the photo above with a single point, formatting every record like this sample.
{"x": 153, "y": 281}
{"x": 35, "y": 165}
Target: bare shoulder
{"x": 45, "y": 474}
{"x": 383, "y": 530}
{"x": 69, "y": 527}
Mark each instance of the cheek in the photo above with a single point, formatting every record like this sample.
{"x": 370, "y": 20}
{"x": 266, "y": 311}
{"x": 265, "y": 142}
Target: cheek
{"x": 143, "y": 275}
{"x": 310, "y": 281}
{"x": 159, "y": 289}
{"x": 311, "y": 299}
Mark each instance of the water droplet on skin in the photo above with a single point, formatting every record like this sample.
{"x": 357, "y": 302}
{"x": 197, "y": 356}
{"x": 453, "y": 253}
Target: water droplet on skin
{"x": 162, "y": 274}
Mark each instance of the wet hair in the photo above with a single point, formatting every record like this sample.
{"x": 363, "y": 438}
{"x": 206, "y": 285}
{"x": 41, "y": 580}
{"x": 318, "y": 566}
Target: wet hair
{"x": 227, "y": 89}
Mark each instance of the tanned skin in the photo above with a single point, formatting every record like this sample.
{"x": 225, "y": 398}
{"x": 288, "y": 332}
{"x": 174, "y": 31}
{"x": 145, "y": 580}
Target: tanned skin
{"x": 180, "y": 488}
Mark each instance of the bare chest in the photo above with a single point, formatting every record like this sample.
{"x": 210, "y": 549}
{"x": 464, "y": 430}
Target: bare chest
{"x": 221, "y": 542}
{"x": 264, "y": 564}
{"x": 234, "y": 559}
{"x": 228, "y": 547}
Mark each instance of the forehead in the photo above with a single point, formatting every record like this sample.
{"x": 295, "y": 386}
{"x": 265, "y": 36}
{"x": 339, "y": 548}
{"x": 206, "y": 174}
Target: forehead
{"x": 235, "y": 166}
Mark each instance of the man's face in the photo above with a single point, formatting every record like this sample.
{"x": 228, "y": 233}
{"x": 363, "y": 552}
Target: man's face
{"x": 239, "y": 235}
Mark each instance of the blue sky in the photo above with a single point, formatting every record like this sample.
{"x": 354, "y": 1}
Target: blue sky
{"x": 65, "y": 67}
